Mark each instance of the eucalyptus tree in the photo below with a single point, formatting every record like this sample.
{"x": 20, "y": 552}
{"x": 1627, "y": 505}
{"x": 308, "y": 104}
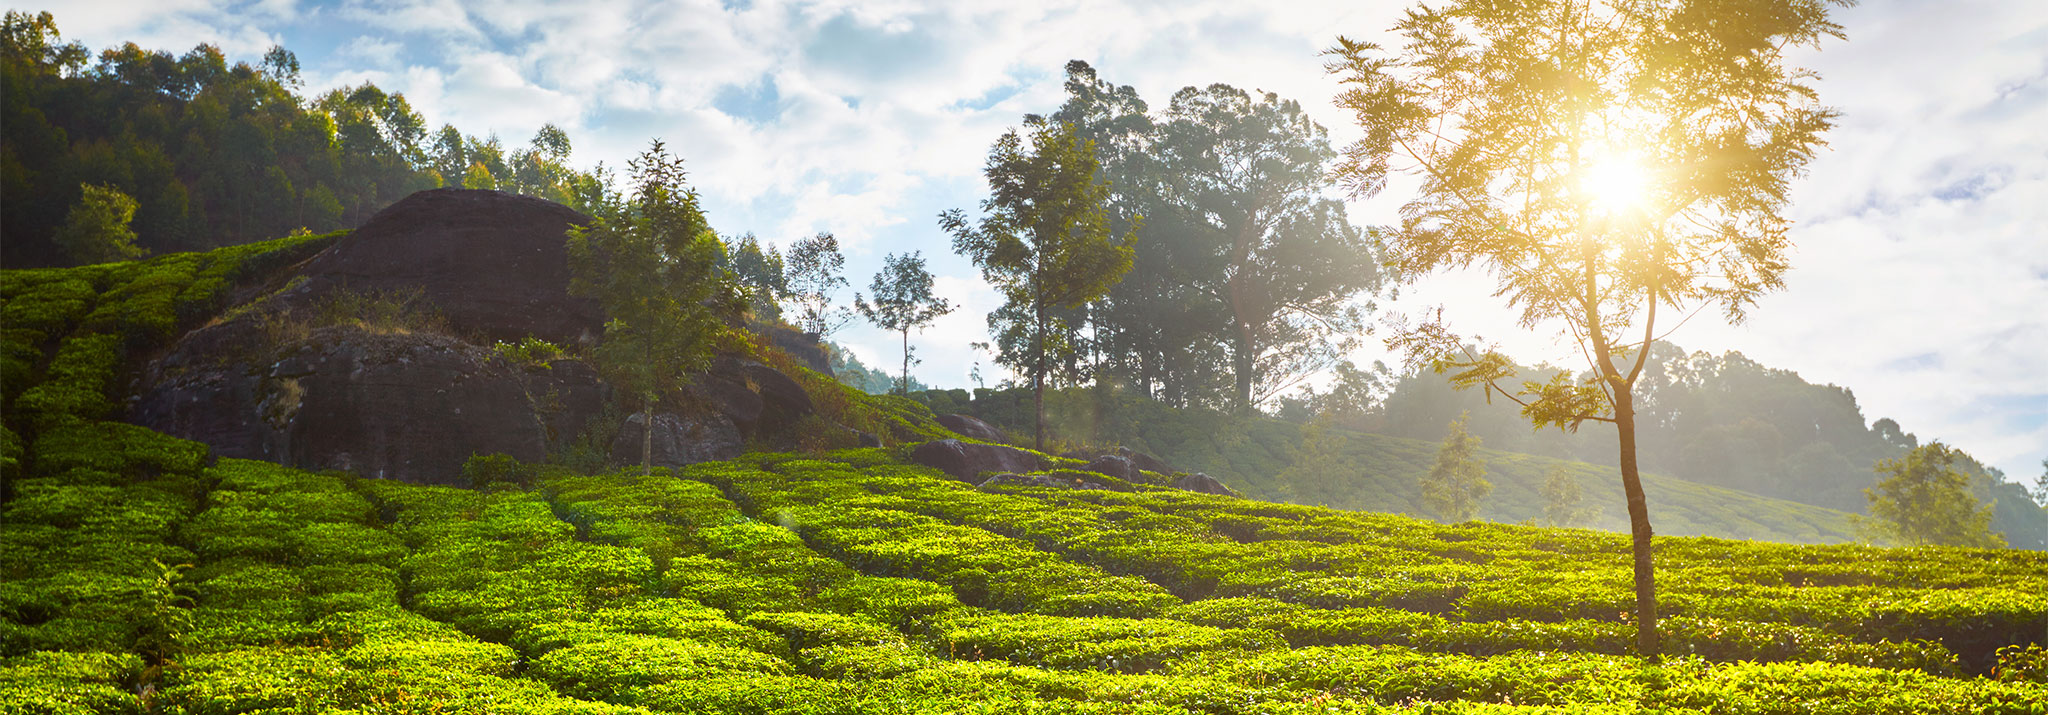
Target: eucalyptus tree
{"x": 903, "y": 302}
{"x": 1612, "y": 164}
{"x": 1045, "y": 243}
{"x": 1246, "y": 178}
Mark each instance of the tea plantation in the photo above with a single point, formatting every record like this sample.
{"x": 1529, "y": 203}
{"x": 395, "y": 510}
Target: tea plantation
{"x": 850, "y": 581}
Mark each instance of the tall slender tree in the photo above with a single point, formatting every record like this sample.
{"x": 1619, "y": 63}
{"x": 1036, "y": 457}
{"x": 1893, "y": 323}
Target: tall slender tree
{"x": 903, "y": 301}
{"x": 1045, "y": 243}
{"x": 652, "y": 262}
{"x": 1605, "y": 160}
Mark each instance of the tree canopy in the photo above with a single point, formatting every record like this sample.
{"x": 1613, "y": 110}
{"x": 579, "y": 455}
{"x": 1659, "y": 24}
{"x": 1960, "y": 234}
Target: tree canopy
{"x": 651, "y": 261}
{"x": 1045, "y": 243}
{"x": 1603, "y": 161}
{"x": 1922, "y": 500}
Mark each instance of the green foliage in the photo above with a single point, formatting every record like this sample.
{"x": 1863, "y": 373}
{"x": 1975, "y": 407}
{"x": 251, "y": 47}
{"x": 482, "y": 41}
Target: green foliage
{"x": 849, "y": 581}
{"x": 1454, "y": 487}
{"x": 848, "y": 369}
{"x": 484, "y": 470}
{"x": 163, "y": 614}
{"x": 760, "y": 271}
{"x": 1925, "y": 501}
{"x": 652, "y": 264}
{"x": 1563, "y": 501}
{"x": 215, "y": 153}
{"x": 1646, "y": 169}
{"x": 1046, "y": 245}
{"x": 1259, "y": 457}
{"x": 96, "y": 230}
{"x": 55, "y": 683}
{"x": 903, "y": 301}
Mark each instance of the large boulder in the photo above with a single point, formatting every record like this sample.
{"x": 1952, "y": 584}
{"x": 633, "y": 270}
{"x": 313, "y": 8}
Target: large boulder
{"x": 399, "y": 406}
{"x": 1199, "y": 482}
{"x": 1135, "y": 459}
{"x": 1113, "y": 465}
{"x": 678, "y": 440}
{"x": 967, "y": 460}
{"x": 968, "y": 426}
{"x": 491, "y": 263}
{"x": 1144, "y": 461}
{"x": 762, "y": 402}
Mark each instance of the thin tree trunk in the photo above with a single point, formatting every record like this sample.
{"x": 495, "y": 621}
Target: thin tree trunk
{"x": 1038, "y": 382}
{"x": 906, "y": 360}
{"x": 1241, "y": 364}
{"x": 1621, "y": 392}
{"x": 647, "y": 435}
{"x": 1638, "y": 526}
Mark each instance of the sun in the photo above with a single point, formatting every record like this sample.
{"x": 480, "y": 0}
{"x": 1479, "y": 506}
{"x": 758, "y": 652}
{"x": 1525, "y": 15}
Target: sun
{"x": 1615, "y": 185}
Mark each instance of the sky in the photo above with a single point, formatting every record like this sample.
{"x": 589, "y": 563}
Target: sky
{"x": 1920, "y": 273}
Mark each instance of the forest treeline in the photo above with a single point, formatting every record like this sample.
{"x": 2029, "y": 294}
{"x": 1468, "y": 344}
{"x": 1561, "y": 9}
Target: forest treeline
{"x": 216, "y": 154}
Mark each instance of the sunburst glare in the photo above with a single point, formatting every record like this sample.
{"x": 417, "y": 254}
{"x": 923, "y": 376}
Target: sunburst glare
{"x": 1615, "y": 185}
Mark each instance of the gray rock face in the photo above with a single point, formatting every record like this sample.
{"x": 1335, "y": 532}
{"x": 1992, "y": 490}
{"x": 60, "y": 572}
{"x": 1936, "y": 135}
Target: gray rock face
{"x": 967, "y": 460}
{"x": 1144, "y": 461}
{"x": 967, "y": 426}
{"x": 411, "y": 407}
{"x": 1113, "y": 465}
{"x": 1199, "y": 482}
{"x": 492, "y": 263}
{"x": 679, "y": 440}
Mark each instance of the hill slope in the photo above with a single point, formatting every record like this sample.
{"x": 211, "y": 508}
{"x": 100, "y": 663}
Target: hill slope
{"x": 1371, "y": 472}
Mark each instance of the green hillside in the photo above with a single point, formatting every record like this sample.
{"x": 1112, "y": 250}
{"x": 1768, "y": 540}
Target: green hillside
{"x": 1371, "y": 472}
{"x": 139, "y": 574}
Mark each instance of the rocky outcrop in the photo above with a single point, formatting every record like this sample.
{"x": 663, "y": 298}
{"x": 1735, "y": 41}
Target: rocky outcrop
{"x": 1114, "y": 466}
{"x": 966, "y": 461}
{"x": 760, "y": 401}
{"x": 807, "y": 348}
{"x": 411, "y": 406}
{"x": 678, "y": 440}
{"x": 294, "y": 378}
{"x": 1199, "y": 482}
{"x": 969, "y": 427}
{"x": 491, "y": 263}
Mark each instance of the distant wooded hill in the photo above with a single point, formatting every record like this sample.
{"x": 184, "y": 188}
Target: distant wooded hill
{"x": 1737, "y": 449}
